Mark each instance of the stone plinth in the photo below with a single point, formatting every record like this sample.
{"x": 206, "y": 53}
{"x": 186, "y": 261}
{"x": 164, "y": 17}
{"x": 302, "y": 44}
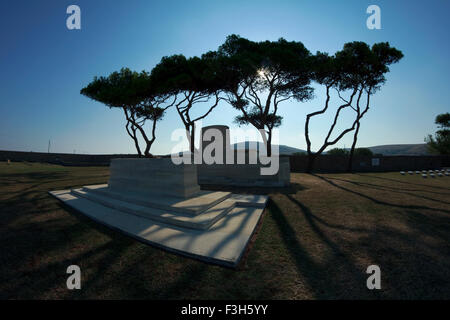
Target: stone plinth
{"x": 224, "y": 141}
{"x": 150, "y": 177}
{"x": 160, "y": 203}
{"x": 244, "y": 175}
{"x": 237, "y": 167}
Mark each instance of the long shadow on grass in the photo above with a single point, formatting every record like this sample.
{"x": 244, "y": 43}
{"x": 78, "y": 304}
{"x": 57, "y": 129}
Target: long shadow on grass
{"x": 435, "y": 226}
{"x": 188, "y": 280}
{"x": 398, "y": 181}
{"x": 35, "y": 283}
{"x": 293, "y": 188}
{"x": 412, "y": 266}
{"x": 324, "y": 283}
{"x": 31, "y": 197}
{"x": 28, "y": 241}
{"x": 27, "y": 276}
{"x": 36, "y": 175}
{"x": 391, "y": 189}
{"x": 111, "y": 253}
{"x": 130, "y": 278}
{"x": 393, "y": 251}
{"x": 384, "y": 203}
{"x": 342, "y": 258}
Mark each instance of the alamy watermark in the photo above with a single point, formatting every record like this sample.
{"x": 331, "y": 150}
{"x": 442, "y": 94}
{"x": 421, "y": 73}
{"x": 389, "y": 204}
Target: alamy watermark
{"x": 73, "y": 22}
{"x": 374, "y": 280}
{"x": 374, "y": 20}
{"x": 74, "y": 280}
{"x": 215, "y": 148}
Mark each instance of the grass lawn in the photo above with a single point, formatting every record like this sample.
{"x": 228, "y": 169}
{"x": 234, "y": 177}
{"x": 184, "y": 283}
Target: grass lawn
{"x": 315, "y": 242}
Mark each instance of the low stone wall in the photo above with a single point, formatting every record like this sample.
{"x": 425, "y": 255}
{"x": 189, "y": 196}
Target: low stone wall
{"x": 325, "y": 163}
{"x": 334, "y": 163}
{"x": 243, "y": 175}
{"x": 66, "y": 159}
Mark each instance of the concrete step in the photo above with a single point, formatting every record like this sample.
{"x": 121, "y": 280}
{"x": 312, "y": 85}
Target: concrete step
{"x": 223, "y": 243}
{"x": 164, "y": 187}
{"x": 250, "y": 200}
{"x": 195, "y": 205}
{"x": 201, "y": 221}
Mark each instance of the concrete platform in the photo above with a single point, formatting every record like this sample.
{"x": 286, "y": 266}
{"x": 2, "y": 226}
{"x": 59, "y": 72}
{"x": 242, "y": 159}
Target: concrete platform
{"x": 219, "y": 234}
{"x": 197, "y": 204}
{"x": 250, "y": 200}
{"x": 202, "y": 221}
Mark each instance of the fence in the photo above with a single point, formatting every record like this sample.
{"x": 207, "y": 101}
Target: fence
{"x": 324, "y": 163}
{"x": 66, "y": 159}
{"x": 335, "y": 163}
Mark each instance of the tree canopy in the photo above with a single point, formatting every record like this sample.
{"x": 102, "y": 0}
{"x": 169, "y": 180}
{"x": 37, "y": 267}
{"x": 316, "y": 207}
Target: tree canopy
{"x": 193, "y": 80}
{"x": 356, "y": 70}
{"x": 120, "y": 88}
{"x": 440, "y": 144}
{"x": 255, "y": 78}
{"x": 258, "y": 76}
{"x": 134, "y": 93}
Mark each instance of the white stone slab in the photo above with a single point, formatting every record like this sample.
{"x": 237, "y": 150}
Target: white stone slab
{"x": 202, "y": 221}
{"x": 250, "y": 200}
{"x": 145, "y": 176}
{"x": 194, "y": 205}
{"x": 223, "y": 243}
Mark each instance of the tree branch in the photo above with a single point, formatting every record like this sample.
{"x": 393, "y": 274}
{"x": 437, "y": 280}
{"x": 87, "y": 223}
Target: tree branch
{"x": 310, "y": 115}
{"x": 337, "y": 115}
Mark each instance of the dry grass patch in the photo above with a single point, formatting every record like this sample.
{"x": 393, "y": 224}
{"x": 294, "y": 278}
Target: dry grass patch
{"x": 315, "y": 242}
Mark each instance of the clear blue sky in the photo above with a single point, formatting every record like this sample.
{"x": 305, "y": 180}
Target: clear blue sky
{"x": 43, "y": 65}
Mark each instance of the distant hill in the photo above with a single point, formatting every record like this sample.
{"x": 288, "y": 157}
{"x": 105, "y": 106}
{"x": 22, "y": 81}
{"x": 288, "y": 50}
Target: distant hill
{"x": 401, "y": 149}
{"x": 283, "y": 149}
{"x": 386, "y": 150}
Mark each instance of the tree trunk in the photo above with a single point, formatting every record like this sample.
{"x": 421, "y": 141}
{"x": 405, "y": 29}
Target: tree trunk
{"x": 267, "y": 140}
{"x": 359, "y": 116}
{"x": 147, "y": 149}
{"x": 311, "y": 160}
{"x": 132, "y": 134}
{"x": 192, "y": 138}
{"x": 136, "y": 142}
{"x": 312, "y": 156}
{"x": 352, "y": 150}
{"x": 141, "y": 130}
{"x": 269, "y": 143}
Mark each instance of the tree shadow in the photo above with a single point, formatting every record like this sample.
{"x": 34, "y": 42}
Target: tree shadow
{"x": 392, "y": 189}
{"x": 135, "y": 286}
{"x": 327, "y": 280}
{"x": 379, "y": 201}
{"x": 397, "y": 181}
{"x": 293, "y": 188}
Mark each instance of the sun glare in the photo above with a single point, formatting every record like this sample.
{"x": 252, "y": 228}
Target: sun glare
{"x": 262, "y": 73}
